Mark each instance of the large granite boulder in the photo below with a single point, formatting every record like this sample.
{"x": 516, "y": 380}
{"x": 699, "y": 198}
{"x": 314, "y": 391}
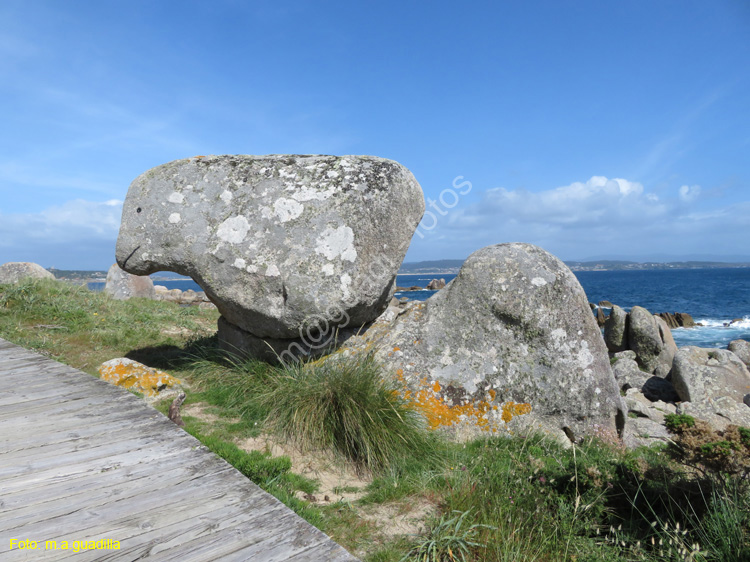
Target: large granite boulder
{"x": 15, "y": 271}
{"x": 510, "y": 343}
{"x": 741, "y": 349}
{"x": 276, "y": 242}
{"x": 616, "y": 330}
{"x": 122, "y": 285}
{"x": 700, "y": 374}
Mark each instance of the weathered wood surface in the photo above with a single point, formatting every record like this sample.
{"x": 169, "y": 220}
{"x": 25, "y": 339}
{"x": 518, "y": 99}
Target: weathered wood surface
{"x": 81, "y": 460}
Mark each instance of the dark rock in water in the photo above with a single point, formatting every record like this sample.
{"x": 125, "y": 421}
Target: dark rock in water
{"x": 677, "y": 319}
{"x": 615, "y": 330}
{"x": 275, "y": 240}
{"x": 121, "y": 285}
{"x": 529, "y": 356}
{"x": 684, "y": 319}
{"x": 601, "y": 319}
{"x": 669, "y": 318}
{"x": 605, "y": 304}
{"x": 15, "y": 271}
{"x": 741, "y": 349}
{"x": 436, "y": 284}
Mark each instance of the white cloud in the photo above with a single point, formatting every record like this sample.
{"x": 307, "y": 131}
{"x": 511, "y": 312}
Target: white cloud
{"x": 689, "y": 193}
{"x": 601, "y": 216}
{"x": 76, "y": 234}
{"x": 598, "y": 200}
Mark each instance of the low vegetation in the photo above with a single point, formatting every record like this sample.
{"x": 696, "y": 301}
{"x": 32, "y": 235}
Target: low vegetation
{"x": 496, "y": 499}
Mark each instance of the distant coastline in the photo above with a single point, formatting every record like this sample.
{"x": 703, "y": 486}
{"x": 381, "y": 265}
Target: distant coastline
{"x": 443, "y": 267}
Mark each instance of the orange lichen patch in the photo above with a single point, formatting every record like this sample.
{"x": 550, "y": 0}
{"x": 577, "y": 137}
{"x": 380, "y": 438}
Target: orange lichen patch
{"x": 136, "y": 376}
{"x": 396, "y": 348}
{"x": 511, "y": 409}
{"x": 439, "y": 412}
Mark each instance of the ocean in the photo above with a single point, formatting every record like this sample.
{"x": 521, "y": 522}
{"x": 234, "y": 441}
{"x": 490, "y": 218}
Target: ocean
{"x": 714, "y": 297}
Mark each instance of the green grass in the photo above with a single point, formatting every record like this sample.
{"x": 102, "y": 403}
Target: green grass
{"x": 495, "y": 499}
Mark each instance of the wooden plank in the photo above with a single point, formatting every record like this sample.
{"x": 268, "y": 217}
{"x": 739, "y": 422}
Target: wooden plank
{"x": 82, "y": 459}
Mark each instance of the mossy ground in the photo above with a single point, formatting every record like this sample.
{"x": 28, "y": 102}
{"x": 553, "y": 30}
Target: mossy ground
{"x": 496, "y": 499}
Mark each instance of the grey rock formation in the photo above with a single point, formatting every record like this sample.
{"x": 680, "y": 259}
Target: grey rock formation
{"x": 436, "y": 284}
{"x": 668, "y": 349}
{"x": 512, "y": 332}
{"x": 741, "y": 349}
{"x": 651, "y": 339}
{"x": 121, "y": 285}
{"x": 718, "y": 412}
{"x": 699, "y": 375}
{"x": 629, "y": 376}
{"x": 615, "y": 330}
{"x": 15, "y": 271}
{"x": 644, "y": 337}
{"x": 276, "y": 241}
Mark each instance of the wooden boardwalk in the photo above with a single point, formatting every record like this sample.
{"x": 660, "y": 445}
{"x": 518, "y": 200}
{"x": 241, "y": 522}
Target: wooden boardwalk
{"x": 82, "y": 460}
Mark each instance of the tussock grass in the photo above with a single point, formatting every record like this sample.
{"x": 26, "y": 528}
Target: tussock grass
{"x": 343, "y": 405}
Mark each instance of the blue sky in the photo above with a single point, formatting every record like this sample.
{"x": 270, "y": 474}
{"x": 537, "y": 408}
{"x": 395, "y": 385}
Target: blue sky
{"x": 590, "y": 128}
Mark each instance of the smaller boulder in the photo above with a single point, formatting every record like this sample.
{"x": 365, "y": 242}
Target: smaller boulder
{"x": 650, "y": 338}
{"x": 138, "y": 377}
{"x": 122, "y": 285}
{"x": 702, "y": 374}
{"x": 15, "y": 271}
{"x": 436, "y": 284}
{"x": 741, "y": 349}
{"x": 615, "y": 330}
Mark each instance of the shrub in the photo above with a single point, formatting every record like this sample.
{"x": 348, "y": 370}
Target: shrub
{"x": 678, "y": 422}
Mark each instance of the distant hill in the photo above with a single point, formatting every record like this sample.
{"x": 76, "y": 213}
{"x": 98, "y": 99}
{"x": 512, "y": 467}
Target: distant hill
{"x": 78, "y": 274}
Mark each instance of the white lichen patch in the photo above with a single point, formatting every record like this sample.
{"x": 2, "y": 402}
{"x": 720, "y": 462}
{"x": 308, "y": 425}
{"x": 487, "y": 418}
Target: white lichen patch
{"x": 307, "y": 193}
{"x": 346, "y": 282}
{"x": 328, "y": 269}
{"x": 233, "y": 230}
{"x": 287, "y": 209}
{"x": 538, "y": 282}
{"x": 176, "y": 197}
{"x": 585, "y": 358}
{"x": 174, "y": 218}
{"x": 240, "y": 263}
{"x": 337, "y": 243}
{"x": 272, "y": 271}
{"x": 226, "y": 196}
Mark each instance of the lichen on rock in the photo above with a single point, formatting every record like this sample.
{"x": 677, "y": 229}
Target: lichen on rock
{"x": 499, "y": 349}
{"x": 138, "y": 377}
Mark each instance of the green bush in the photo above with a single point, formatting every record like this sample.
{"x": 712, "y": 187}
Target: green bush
{"x": 678, "y": 422}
